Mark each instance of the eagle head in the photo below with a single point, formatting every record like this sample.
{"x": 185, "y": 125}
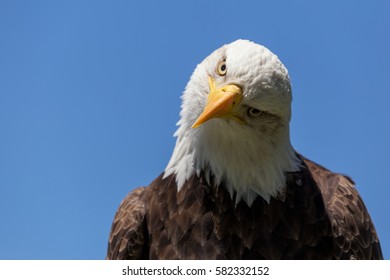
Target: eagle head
{"x": 234, "y": 124}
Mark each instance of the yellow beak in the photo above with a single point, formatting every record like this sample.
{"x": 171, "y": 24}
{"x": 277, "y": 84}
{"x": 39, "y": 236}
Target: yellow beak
{"x": 220, "y": 103}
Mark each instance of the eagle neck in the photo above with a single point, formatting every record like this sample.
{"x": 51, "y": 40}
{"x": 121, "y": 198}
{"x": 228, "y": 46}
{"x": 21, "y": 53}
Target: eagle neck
{"x": 247, "y": 164}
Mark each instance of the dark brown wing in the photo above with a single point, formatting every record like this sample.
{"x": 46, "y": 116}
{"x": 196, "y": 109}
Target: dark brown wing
{"x": 352, "y": 228}
{"x": 127, "y": 237}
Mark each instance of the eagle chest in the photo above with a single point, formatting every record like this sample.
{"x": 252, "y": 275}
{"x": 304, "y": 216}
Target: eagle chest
{"x": 199, "y": 222}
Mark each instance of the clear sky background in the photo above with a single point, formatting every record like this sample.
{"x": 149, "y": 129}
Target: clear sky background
{"x": 90, "y": 95}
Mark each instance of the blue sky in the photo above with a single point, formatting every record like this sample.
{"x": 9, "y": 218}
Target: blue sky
{"x": 90, "y": 94}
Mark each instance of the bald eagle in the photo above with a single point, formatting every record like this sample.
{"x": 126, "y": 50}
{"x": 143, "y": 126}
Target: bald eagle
{"x": 235, "y": 188}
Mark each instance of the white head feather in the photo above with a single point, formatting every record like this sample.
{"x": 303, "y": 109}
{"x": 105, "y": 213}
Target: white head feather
{"x": 248, "y": 159}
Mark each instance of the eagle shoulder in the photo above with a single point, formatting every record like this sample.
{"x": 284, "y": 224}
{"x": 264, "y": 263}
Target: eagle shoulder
{"x": 128, "y": 231}
{"x": 353, "y": 231}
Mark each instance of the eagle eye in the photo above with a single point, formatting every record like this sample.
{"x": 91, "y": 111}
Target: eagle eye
{"x": 221, "y": 68}
{"x": 253, "y": 112}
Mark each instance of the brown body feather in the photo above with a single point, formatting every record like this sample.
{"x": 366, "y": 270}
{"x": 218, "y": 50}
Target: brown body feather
{"x": 320, "y": 216}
